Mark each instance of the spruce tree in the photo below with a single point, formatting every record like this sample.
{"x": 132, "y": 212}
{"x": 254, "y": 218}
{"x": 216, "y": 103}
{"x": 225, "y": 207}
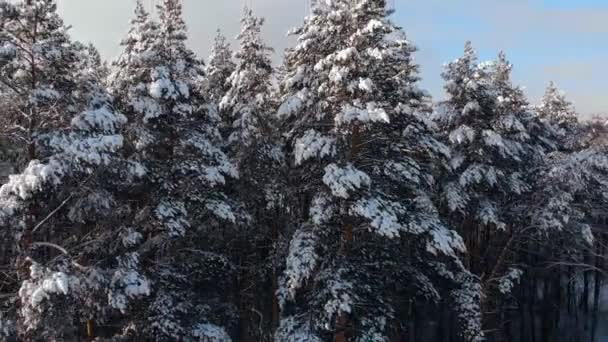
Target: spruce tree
{"x": 363, "y": 160}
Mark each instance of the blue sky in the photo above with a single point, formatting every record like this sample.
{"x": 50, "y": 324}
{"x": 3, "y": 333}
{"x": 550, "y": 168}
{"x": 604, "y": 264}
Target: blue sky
{"x": 561, "y": 40}
{"x": 575, "y": 3}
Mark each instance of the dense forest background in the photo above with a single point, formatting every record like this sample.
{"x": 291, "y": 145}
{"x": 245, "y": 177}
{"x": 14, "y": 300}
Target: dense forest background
{"x": 162, "y": 198}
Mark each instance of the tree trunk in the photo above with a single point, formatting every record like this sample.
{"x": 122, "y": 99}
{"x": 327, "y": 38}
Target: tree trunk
{"x": 596, "y": 291}
{"x": 531, "y": 309}
{"x": 341, "y": 324}
{"x": 585, "y": 299}
{"x": 275, "y": 284}
{"x": 546, "y": 312}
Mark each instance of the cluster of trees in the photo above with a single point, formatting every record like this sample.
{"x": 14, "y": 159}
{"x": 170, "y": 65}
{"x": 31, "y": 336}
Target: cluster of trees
{"x": 160, "y": 198}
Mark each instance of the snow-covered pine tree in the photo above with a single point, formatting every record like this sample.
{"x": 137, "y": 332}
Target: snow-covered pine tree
{"x": 363, "y": 160}
{"x": 247, "y": 102}
{"x": 481, "y": 118}
{"x": 489, "y": 142}
{"x": 568, "y": 192}
{"x": 219, "y": 68}
{"x": 60, "y": 283}
{"x": 95, "y": 65}
{"x": 249, "y": 111}
{"x": 74, "y": 224}
{"x": 180, "y": 205}
{"x": 555, "y": 108}
{"x": 37, "y": 66}
{"x": 129, "y": 70}
{"x": 498, "y": 153}
{"x": 63, "y": 118}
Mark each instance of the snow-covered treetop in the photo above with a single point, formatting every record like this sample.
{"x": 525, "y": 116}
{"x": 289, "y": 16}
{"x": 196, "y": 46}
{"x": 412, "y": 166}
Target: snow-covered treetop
{"x": 129, "y": 70}
{"x": 555, "y": 108}
{"x": 247, "y": 102}
{"x": 488, "y": 124}
{"x": 511, "y": 98}
{"x": 176, "y": 71}
{"x": 37, "y": 61}
{"x": 142, "y": 30}
{"x": 349, "y": 80}
{"x": 157, "y": 73}
{"x": 219, "y": 68}
{"x": 362, "y": 149}
{"x": 173, "y": 26}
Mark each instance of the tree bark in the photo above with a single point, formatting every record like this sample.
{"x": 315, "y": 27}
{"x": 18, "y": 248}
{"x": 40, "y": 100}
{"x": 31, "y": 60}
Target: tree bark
{"x": 596, "y": 292}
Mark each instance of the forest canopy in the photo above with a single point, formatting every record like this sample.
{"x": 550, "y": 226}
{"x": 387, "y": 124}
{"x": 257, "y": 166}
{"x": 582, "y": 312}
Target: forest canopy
{"x": 166, "y": 197}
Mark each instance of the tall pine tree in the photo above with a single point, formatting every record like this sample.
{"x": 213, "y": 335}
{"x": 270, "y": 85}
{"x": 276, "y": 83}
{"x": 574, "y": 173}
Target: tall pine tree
{"x": 249, "y": 110}
{"x": 363, "y": 160}
{"x": 54, "y": 286}
{"x": 219, "y": 68}
{"x": 37, "y": 66}
{"x": 180, "y": 206}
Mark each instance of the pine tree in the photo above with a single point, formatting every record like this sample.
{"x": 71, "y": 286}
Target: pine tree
{"x": 37, "y": 65}
{"x": 247, "y": 101}
{"x": 70, "y": 216}
{"x": 254, "y": 144}
{"x": 567, "y": 192}
{"x": 56, "y": 282}
{"x": 495, "y": 193}
{"x": 363, "y": 160}
{"x": 180, "y": 206}
{"x": 129, "y": 70}
{"x": 64, "y": 119}
{"x": 558, "y": 113}
{"x": 483, "y": 117}
{"x": 555, "y": 108}
{"x": 219, "y": 68}
{"x": 483, "y": 121}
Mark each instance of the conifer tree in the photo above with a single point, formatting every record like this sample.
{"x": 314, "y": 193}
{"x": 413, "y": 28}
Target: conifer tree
{"x": 219, "y": 68}
{"x": 557, "y": 112}
{"x": 179, "y": 206}
{"x": 70, "y": 214}
{"x": 247, "y": 101}
{"x": 55, "y": 285}
{"x": 65, "y": 121}
{"x": 363, "y": 160}
{"x": 483, "y": 118}
{"x": 125, "y": 79}
{"x": 253, "y": 142}
{"x": 37, "y": 65}
{"x": 488, "y": 127}
{"x": 501, "y": 193}
{"x": 555, "y": 108}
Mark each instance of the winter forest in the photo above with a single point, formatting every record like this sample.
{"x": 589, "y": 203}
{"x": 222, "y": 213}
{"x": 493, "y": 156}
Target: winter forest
{"x": 166, "y": 196}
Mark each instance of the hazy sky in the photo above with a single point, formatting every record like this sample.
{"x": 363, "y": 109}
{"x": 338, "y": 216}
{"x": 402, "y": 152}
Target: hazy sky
{"x": 561, "y": 40}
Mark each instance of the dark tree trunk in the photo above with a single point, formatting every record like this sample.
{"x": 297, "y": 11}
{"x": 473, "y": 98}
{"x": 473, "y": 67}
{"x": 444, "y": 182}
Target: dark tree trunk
{"x": 596, "y": 292}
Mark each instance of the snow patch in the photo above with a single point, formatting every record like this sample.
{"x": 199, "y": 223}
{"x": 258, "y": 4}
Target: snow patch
{"x": 341, "y": 181}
